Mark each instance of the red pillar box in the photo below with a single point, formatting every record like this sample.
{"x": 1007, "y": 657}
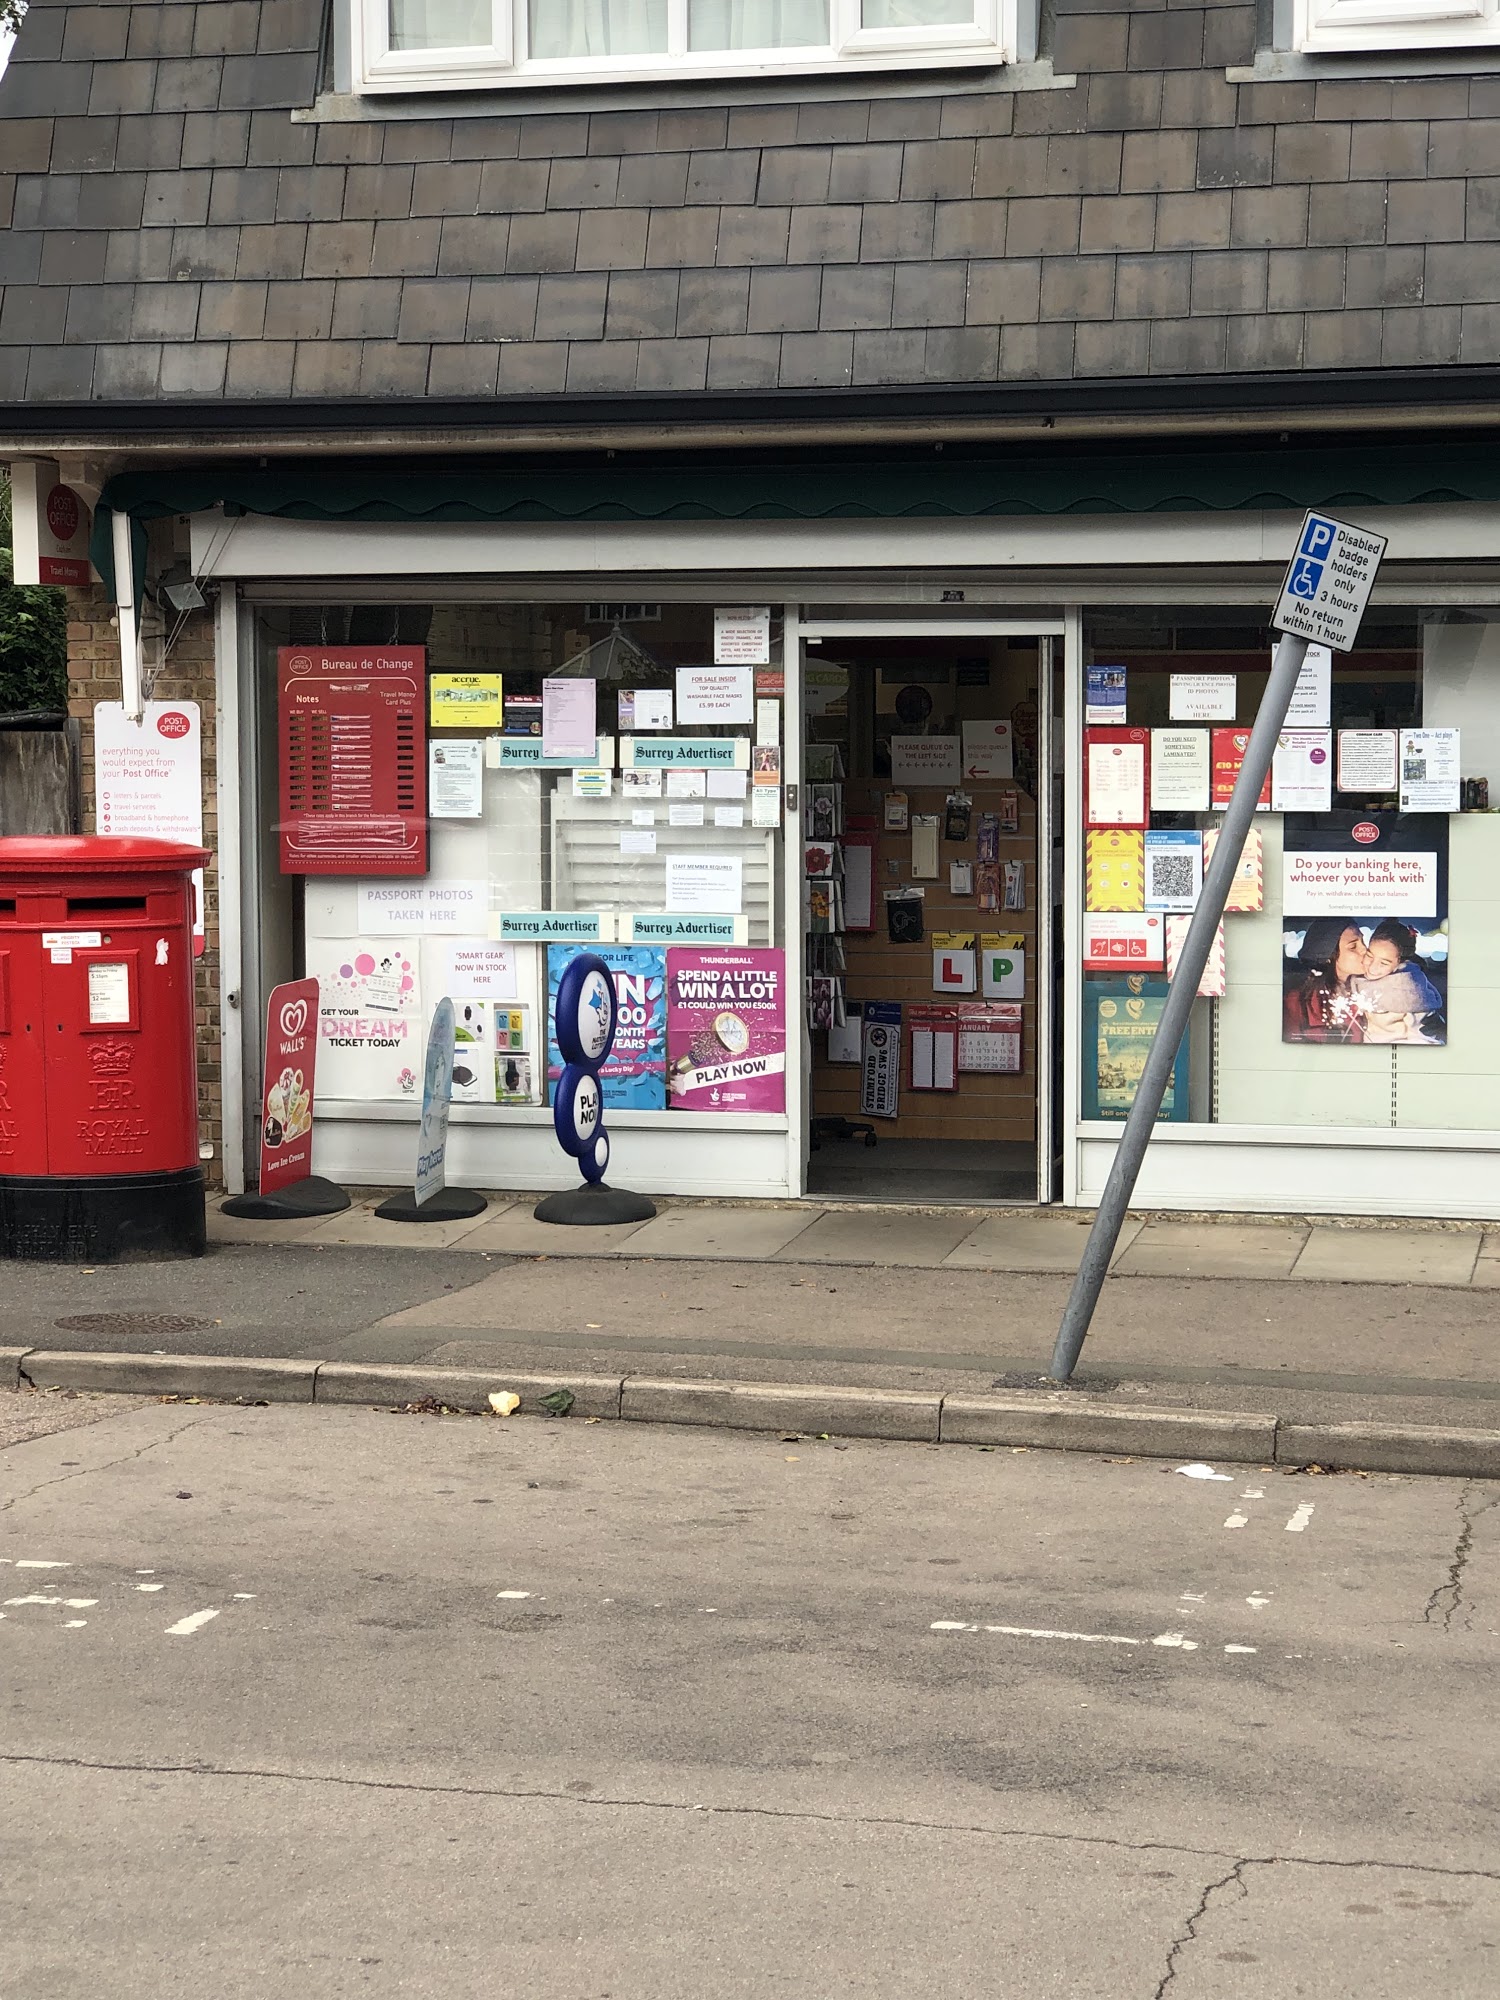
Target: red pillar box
{"x": 98, "y": 1068}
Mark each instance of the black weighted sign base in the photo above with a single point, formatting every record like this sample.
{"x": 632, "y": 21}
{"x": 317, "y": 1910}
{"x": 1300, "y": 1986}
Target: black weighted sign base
{"x": 593, "y": 1205}
{"x": 447, "y": 1205}
{"x": 293, "y": 1203}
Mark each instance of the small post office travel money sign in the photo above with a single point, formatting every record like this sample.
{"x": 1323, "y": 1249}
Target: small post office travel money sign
{"x": 1328, "y": 582}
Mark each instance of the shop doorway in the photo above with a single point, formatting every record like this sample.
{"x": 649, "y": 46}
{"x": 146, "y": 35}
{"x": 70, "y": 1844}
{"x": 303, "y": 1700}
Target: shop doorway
{"x": 928, "y": 816}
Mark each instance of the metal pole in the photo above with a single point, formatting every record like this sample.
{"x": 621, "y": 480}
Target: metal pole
{"x": 1141, "y": 1122}
{"x": 130, "y": 639}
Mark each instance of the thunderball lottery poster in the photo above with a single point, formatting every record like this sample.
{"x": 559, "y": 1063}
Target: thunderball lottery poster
{"x": 726, "y": 1030}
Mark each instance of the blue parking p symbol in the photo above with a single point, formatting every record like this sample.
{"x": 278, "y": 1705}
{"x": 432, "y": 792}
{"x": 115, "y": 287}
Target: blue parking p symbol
{"x": 1317, "y": 540}
{"x": 1306, "y": 576}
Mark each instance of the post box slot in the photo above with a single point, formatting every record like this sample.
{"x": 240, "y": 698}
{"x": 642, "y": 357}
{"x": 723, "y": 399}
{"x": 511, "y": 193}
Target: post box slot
{"x": 7, "y": 906}
{"x": 77, "y": 904}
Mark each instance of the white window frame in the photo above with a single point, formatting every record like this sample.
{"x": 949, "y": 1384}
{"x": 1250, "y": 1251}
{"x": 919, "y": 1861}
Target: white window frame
{"x": 1326, "y": 27}
{"x": 503, "y": 62}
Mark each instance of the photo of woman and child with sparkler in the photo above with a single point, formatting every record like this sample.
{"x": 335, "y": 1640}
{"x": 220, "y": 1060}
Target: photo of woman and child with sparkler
{"x": 1352, "y": 980}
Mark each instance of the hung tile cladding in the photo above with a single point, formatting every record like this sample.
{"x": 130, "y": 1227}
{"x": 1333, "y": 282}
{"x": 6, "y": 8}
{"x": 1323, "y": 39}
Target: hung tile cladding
{"x": 1121, "y": 208}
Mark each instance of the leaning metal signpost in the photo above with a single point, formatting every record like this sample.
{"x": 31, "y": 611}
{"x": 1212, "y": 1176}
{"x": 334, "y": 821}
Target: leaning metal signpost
{"x": 1323, "y": 598}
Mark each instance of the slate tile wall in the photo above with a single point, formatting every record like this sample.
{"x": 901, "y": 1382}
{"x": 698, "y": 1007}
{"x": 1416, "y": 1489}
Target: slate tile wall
{"x": 166, "y": 230}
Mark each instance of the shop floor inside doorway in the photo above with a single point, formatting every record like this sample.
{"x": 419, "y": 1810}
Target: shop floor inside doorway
{"x": 922, "y": 1170}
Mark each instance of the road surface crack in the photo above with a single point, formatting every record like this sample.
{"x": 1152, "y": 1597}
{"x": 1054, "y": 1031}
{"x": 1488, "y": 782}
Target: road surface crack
{"x": 1444, "y": 1604}
{"x": 89, "y": 1471}
{"x": 1189, "y": 1933}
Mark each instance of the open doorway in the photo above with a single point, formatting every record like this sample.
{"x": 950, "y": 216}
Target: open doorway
{"x": 927, "y": 913}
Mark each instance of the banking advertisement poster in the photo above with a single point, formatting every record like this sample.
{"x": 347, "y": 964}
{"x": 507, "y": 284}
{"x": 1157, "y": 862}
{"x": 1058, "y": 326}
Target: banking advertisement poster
{"x": 1364, "y": 899}
{"x": 634, "y": 1077}
{"x": 726, "y": 1030}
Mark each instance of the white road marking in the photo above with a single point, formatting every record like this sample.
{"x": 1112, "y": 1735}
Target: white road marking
{"x": 73, "y": 1624}
{"x": 244, "y": 1597}
{"x": 31, "y": 1600}
{"x": 1238, "y": 1521}
{"x": 149, "y": 1586}
{"x": 194, "y": 1622}
{"x": 80, "y": 1603}
{"x": 145, "y": 1572}
{"x": 1254, "y": 1493}
{"x": 1239, "y": 1649}
{"x": 1258, "y": 1600}
{"x": 43, "y": 1565}
{"x": 1034, "y": 1632}
{"x": 1301, "y": 1518}
{"x": 512, "y": 1593}
{"x": 1177, "y": 1640}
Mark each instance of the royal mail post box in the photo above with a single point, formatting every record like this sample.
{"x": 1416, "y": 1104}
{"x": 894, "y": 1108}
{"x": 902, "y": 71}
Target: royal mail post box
{"x": 98, "y": 1069}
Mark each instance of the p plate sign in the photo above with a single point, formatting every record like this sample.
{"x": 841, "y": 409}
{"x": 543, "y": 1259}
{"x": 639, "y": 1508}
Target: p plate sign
{"x": 1328, "y": 582}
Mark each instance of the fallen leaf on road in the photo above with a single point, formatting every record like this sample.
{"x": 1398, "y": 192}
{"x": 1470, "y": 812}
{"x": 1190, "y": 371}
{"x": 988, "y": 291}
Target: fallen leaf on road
{"x": 504, "y": 1402}
{"x": 559, "y": 1402}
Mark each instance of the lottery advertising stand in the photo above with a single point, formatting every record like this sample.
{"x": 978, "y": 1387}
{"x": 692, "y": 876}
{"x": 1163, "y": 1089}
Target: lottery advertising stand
{"x": 585, "y": 1027}
{"x": 431, "y": 1199}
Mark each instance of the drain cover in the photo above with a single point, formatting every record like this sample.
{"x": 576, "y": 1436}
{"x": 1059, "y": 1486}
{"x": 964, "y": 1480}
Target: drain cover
{"x": 146, "y": 1323}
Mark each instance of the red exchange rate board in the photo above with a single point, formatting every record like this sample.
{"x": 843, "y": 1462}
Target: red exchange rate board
{"x": 353, "y": 759}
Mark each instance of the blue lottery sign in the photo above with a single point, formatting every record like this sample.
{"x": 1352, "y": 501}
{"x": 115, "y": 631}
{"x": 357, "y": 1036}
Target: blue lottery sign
{"x": 584, "y": 1023}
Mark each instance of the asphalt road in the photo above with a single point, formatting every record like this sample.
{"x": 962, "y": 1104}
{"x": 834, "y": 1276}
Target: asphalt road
{"x": 338, "y": 1702}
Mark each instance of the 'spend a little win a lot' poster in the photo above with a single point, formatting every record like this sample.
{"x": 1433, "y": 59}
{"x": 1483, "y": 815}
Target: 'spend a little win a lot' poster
{"x": 726, "y": 1030}
{"x": 634, "y": 1076}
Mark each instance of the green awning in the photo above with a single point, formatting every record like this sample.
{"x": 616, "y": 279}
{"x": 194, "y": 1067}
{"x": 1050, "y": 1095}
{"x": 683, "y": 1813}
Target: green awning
{"x": 949, "y": 486}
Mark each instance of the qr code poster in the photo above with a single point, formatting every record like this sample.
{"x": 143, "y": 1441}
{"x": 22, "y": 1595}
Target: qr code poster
{"x": 1174, "y": 870}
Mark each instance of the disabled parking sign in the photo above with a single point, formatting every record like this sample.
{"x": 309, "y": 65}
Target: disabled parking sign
{"x": 1328, "y": 582}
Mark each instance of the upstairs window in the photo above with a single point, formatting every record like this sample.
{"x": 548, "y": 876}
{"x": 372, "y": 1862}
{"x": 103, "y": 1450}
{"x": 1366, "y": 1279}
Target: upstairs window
{"x": 1326, "y": 27}
{"x": 403, "y": 45}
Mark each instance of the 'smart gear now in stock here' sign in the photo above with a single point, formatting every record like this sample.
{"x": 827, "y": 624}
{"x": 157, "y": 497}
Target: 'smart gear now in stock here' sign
{"x": 1328, "y": 582}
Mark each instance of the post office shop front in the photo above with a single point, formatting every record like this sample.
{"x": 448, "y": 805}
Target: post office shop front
{"x": 894, "y": 883}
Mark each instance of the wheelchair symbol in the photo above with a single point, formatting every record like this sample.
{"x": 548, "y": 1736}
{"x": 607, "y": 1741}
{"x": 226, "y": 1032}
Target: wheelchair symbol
{"x": 1306, "y": 576}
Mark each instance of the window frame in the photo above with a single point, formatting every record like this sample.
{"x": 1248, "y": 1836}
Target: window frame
{"x": 988, "y": 40}
{"x": 1332, "y": 27}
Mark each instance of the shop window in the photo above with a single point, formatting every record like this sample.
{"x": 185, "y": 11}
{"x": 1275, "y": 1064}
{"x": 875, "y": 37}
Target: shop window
{"x": 465, "y": 795}
{"x": 1330, "y": 1001}
{"x": 407, "y": 44}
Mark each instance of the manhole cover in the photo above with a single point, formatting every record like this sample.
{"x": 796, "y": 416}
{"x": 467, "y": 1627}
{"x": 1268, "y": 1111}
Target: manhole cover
{"x": 145, "y": 1323}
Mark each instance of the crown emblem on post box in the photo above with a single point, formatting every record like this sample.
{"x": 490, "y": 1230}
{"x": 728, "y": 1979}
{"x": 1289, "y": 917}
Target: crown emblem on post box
{"x": 111, "y": 1058}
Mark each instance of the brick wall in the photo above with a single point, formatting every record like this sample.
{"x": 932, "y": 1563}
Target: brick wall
{"x": 187, "y": 674}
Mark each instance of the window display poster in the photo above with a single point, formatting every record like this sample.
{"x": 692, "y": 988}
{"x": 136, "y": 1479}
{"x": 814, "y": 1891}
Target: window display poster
{"x": 1365, "y": 928}
{"x": 1367, "y": 760}
{"x": 1213, "y": 985}
{"x": 1429, "y": 770}
{"x": 742, "y": 636}
{"x": 455, "y": 779}
{"x": 1120, "y": 1020}
{"x": 715, "y": 694}
{"x": 726, "y": 1030}
{"x": 880, "y": 1060}
{"x": 1114, "y": 777}
{"x": 925, "y": 760}
{"x": 1311, "y": 703}
{"x": 634, "y": 1077}
{"x": 480, "y": 970}
{"x": 1229, "y": 747}
{"x": 1114, "y": 868}
{"x": 1302, "y": 771}
{"x": 987, "y": 750}
{"x": 1113, "y": 942}
{"x": 710, "y": 884}
{"x": 466, "y": 701}
{"x": 370, "y": 1022}
{"x": 1174, "y": 869}
{"x": 1247, "y": 883}
{"x": 989, "y": 1039}
{"x": 570, "y": 723}
{"x": 645, "y": 708}
{"x": 460, "y": 908}
{"x": 1202, "y": 697}
{"x": 1104, "y": 694}
{"x": 1180, "y": 770}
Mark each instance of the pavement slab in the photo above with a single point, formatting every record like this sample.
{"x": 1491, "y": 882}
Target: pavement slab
{"x": 719, "y": 1233}
{"x": 517, "y": 1233}
{"x": 361, "y": 1226}
{"x": 874, "y": 1236}
{"x": 1030, "y": 1243}
{"x": 1210, "y": 1249}
{"x": 1393, "y": 1256}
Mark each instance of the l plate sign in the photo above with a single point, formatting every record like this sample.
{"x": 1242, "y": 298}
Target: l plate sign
{"x": 1328, "y": 582}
